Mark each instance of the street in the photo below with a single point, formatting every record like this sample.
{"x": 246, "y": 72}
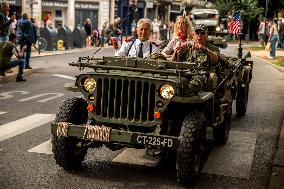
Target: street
{"x": 28, "y": 108}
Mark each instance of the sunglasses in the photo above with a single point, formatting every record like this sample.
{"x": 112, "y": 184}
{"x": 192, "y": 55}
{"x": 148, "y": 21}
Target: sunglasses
{"x": 201, "y": 32}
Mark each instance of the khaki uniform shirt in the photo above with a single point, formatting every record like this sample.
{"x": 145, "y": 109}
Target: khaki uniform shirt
{"x": 200, "y": 57}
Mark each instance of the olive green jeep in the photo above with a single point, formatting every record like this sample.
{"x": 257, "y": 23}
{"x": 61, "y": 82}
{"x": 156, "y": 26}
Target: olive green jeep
{"x": 210, "y": 18}
{"x": 146, "y": 103}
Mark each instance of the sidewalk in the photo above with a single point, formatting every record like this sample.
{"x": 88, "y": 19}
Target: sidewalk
{"x": 12, "y": 76}
{"x": 277, "y": 172}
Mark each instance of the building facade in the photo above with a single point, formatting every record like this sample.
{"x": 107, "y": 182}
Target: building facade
{"x": 74, "y": 12}
{"x": 65, "y": 12}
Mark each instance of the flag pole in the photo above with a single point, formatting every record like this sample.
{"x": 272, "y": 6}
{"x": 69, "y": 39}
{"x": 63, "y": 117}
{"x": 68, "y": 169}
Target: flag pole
{"x": 240, "y": 49}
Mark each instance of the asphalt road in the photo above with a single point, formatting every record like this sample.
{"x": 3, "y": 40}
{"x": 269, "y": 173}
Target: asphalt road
{"x": 26, "y": 110}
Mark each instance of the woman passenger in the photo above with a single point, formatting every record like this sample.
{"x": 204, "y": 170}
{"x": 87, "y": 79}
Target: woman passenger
{"x": 181, "y": 35}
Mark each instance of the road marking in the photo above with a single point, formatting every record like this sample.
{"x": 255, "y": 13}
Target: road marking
{"x": 7, "y": 95}
{"x": 64, "y": 76}
{"x": 2, "y": 112}
{"x": 137, "y": 157}
{"x": 233, "y": 159}
{"x": 43, "y": 148}
{"x": 25, "y": 124}
{"x": 55, "y": 95}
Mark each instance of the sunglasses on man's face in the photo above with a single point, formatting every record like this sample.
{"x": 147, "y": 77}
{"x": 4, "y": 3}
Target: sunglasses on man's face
{"x": 201, "y": 32}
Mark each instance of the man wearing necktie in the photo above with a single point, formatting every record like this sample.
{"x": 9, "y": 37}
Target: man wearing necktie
{"x": 140, "y": 47}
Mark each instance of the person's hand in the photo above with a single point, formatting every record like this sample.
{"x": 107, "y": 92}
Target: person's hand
{"x": 197, "y": 46}
{"x": 24, "y": 47}
{"x": 13, "y": 17}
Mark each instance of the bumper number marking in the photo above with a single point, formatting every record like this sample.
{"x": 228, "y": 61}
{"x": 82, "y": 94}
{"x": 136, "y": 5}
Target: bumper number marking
{"x": 154, "y": 141}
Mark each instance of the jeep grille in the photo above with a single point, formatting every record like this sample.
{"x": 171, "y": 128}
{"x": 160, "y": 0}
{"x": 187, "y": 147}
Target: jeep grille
{"x": 211, "y": 29}
{"x": 125, "y": 99}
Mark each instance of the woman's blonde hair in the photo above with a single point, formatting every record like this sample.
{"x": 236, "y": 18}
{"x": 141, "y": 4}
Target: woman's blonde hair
{"x": 188, "y": 26}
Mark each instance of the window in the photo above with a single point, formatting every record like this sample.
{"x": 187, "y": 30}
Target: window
{"x": 58, "y": 13}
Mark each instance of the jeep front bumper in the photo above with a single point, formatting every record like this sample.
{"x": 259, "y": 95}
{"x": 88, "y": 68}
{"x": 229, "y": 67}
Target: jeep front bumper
{"x": 108, "y": 135}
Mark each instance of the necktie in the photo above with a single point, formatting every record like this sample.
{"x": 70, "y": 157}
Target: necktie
{"x": 140, "y": 50}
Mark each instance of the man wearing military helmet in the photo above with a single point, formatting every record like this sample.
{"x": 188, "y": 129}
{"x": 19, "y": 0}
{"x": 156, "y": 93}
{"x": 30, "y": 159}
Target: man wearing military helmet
{"x": 199, "y": 50}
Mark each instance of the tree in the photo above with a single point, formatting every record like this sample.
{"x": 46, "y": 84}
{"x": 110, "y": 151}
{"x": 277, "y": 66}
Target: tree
{"x": 249, "y": 9}
{"x": 274, "y": 7}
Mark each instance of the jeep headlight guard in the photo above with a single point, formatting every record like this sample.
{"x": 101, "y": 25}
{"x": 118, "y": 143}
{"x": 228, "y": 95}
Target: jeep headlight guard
{"x": 167, "y": 91}
{"x": 90, "y": 84}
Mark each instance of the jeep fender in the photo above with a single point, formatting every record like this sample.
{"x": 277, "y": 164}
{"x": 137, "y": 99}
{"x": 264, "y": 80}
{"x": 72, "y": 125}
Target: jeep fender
{"x": 246, "y": 74}
{"x": 196, "y": 99}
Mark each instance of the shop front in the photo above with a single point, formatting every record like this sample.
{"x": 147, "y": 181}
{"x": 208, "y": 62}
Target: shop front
{"x": 84, "y": 10}
{"x": 57, "y": 10}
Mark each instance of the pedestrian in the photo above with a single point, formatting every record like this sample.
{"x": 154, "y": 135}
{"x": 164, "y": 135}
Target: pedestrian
{"x": 182, "y": 34}
{"x": 281, "y": 33}
{"x": 117, "y": 28}
{"x": 88, "y": 30}
{"x": 4, "y": 22}
{"x": 261, "y": 31}
{"x": 26, "y": 37}
{"x": 156, "y": 29}
{"x": 104, "y": 32}
{"x": 140, "y": 47}
{"x": 268, "y": 24}
{"x": 48, "y": 21}
{"x": 133, "y": 28}
{"x": 273, "y": 38}
{"x": 13, "y": 25}
{"x": 7, "y": 50}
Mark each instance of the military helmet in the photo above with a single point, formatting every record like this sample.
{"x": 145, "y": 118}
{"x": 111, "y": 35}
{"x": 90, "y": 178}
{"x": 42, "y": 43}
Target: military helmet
{"x": 201, "y": 27}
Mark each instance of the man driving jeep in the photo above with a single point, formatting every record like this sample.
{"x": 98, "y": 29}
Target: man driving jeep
{"x": 201, "y": 52}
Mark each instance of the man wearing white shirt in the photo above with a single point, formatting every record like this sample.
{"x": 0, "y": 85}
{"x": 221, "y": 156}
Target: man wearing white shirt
{"x": 141, "y": 47}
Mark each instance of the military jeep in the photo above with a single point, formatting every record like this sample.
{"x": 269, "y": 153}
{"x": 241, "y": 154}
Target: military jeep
{"x": 210, "y": 18}
{"x": 151, "y": 104}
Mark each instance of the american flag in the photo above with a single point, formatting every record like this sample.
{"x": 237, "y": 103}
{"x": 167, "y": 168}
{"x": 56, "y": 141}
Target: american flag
{"x": 235, "y": 26}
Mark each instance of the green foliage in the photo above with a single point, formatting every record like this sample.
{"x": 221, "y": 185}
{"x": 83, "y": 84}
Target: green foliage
{"x": 249, "y": 8}
{"x": 281, "y": 63}
{"x": 274, "y": 7}
{"x": 224, "y": 7}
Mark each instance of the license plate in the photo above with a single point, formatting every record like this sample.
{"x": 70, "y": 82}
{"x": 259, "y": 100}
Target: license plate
{"x": 165, "y": 142}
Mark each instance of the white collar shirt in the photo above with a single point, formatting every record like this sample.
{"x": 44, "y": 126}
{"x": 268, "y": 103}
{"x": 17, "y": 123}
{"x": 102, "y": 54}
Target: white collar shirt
{"x": 134, "y": 48}
{"x": 172, "y": 45}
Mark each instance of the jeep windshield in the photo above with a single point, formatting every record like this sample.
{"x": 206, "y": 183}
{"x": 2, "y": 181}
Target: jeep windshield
{"x": 205, "y": 16}
{"x": 209, "y": 17}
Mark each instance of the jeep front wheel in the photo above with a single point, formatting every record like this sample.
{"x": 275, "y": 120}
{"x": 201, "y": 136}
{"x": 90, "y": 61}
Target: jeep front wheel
{"x": 66, "y": 152}
{"x": 191, "y": 148}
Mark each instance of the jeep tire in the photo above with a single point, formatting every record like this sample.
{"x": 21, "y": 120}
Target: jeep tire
{"x": 242, "y": 100}
{"x": 66, "y": 152}
{"x": 221, "y": 133}
{"x": 191, "y": 148}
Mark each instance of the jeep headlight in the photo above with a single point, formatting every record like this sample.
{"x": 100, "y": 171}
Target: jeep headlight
{"x": 167, "y": 91}
{"x": 90, "y": 84}
{"x": 218, "y": 29}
